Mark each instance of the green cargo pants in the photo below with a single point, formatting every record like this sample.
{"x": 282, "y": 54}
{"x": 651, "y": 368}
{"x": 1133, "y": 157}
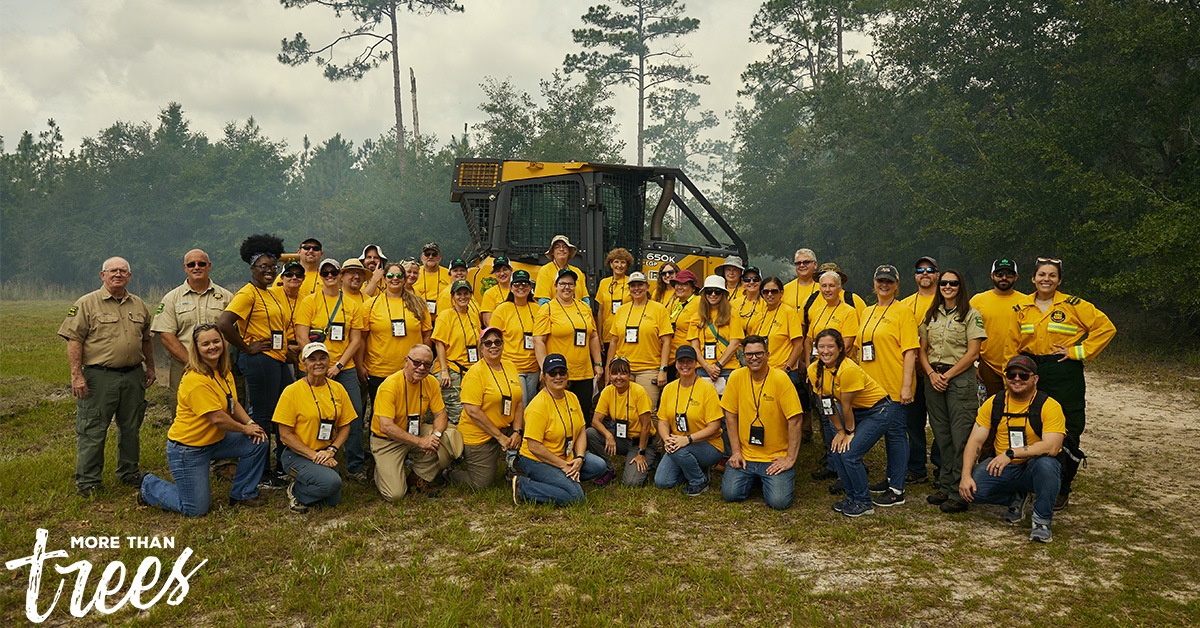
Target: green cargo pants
{"x": 110, "y": 394}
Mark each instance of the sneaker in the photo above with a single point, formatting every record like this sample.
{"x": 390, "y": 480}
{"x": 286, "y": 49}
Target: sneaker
{"x": 838, "y": 506}
{"x": 516, "y": 498}
{"x": 937, "y": 499}
{"x": 359, "y": 476}
{"x": 823, "y": 474}
{"x": 951, "y": 506}
{"x": 694, "y": 490}
{"x": 294, "y": 504}
{"x": 889, "y": 498}
{"x": 272, "y": 482}
{"x": 1016, "y": 514}
{"x": 913, "y": 478}
{"x": 857, "y": 510}
{"x": 879, "y": 487}
{"x": 1060, "y": 502}
{"x": 837, "y": 488}
{"x": 252, "y": 502}
{"x": 1040, "y": 533}
{"x": 606, "y": 478}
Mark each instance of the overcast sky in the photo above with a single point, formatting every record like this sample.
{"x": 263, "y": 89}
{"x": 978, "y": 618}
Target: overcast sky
{"x": 89, "y": 64}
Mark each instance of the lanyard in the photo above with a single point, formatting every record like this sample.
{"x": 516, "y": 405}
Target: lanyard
{"x": 640, "y": 317}
{"x": 758, "y": 398}
{"x": 267, "y": 309}
{"x": 688, "y": 405}
{"x": 581, "y": 316}
{"x": 506, "y": 393}
{"x": 332, "y": 401}
{"x": 753, "y": 307}
{"x": 329, "y": 317}
{"x": 679, "y": 305}
{"x": 828, "y": 318}
{"x": 466, "y": 339}
{"x": 566, "y": 431}
{"x": 885, "y": 309}
{"x": 769, "y": 325}
{"x": 420, "y": 396}
{"x": 821, "y": 381}
{"x": 221, "y": 384}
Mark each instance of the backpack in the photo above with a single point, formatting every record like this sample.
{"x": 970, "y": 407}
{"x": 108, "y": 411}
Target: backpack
{"x": 1070, "y": 450}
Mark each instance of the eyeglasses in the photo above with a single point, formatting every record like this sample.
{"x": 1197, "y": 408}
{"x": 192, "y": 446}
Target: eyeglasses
{"x": 565, "y": 284}
{"x": 754, "y": 354}
{"x": 395, "y": 275}
{"x": 949, "y": 282}
{"x": 751, "y": 279}
{"x": 117, "y": 271}
{"x": 293, "y": 274}
{"x": 770, "y": 291}
{"x": 1021, "y": 375}
{"x": 310, "y": 247}
{"x": 711, "y": 291}
{"x": 418, "y": 364}
{"x": 557, "y": 373}
{"x": 265, "y": 268}
{"x": 430, "y": 253}
{"x": 196, "y": 264}
{"x": 926, "y": 270}
{"x": 493, "y": 343}
{"x": 330, "y": 273}
{"x": 805, "y": 262}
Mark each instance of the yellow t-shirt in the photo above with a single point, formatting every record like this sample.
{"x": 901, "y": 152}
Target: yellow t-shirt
{"x": 610, "y": 297}
{"x": 304, "y": 407}
{"x": 681, "y": 315}
{"x": 699, "y": 402}
{"x": 515, "y": 322}
{"x": 397, "y": 399}
{"x": 704, "y": 333}
{"x": 918, "y": 304}
{"x": 430, "y": 285}
{"x": 769, "y": 404}
{"x": 842, "y": 318}
{"x": 386, "y": 350}
{"x": 652, "y": 323}
{"x": 780, "y": 327}
{"x": 359, "y": 298}
{"x": 458, "y": 331}
{"x": 559, "y": 324}
{"x": 290, "y": 306}
{"x": 998, "y": 316}
{"x": 892, "y": 331}
{"x": 310, "y": 284}
{"x": 1053, "y": 422}
{"x": 849, "y": 377}
{"x": 543, "y": 285}
{"x": 493, "y": 298}
{"x": 551, "y": 421}
{"x": 796, "y": 295}
{"x": 628, "y": 406}
{"x": 199, "y": 395}
{"x": 259, "y": 313}
{"x": 483, "y": 387}
{"x": 747, "y": 310}
{"x": 317, "y": 312}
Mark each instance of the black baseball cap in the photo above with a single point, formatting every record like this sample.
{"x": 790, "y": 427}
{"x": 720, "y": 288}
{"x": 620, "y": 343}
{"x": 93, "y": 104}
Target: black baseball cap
{"x": 554, "y": 361}
{"x": 1004, "y": 263}
{"x": 458, "y": 261}
{"x": 500, "y": 262}
{"x": 521, "y": 276}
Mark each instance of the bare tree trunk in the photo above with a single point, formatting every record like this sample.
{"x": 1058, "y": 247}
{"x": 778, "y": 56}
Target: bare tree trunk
{"x": 641, "y": 88}
{"x": 397, "y": 92}
{"x": 839, "y": 38}
{"x": 412, "y": 77}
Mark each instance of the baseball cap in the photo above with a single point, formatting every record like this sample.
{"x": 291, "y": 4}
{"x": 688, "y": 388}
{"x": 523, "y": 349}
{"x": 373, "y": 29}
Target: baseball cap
{"x": 685, "y": 352}
{"x": 637, "y": 277}
{"x": 312, "y": 348}
{"x": 521, "y": 276}
{"x": 431, "y": 246}
{"x": 554, "y": 361}
{"x": 1021, "y": 362}
{"x": 329, "y": 261}
{"x": 460, "y": 284}
{"x": 887, "y": 271}
{"x": 932, "y": 262}
{"x": 490, "y": 329}
{"x": 566, "y": 271}
{"x": 500, "y": 262}
{"x": 458, "y": 261}
{"x": 685, "y": 276}
{"x": 1004, "y": 263}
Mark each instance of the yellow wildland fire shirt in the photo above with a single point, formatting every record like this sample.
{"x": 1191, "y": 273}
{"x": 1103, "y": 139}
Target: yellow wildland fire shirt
{"x": 1069, "y": 321}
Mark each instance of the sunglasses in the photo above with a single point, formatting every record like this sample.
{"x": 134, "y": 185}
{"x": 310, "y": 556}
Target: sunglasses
{"x": 293, "y": 274}
{"x": 1005, "y": 274}
{"x": 417, "y": 364}
{"x": 1021, "y": 375}
{"x": 493, "y": 343}
{"x": 265, "y": 268}
{"x": 310, "y": 247}
{"x": 712, "y": 291}
{"x": 667, "y": 273}
{"x": 198, "y": 329}
{"x": 395, "y": 275}
{"x": 926, "y": 270}
{"x": 1050, "y": 260}
{"x": 805, "y": 262}
{"x": 196, "y": 264}
{"x": 557, "y": 373}
{"x": 949, "y": 282}
{"x": 770, "y": 291}
{"x": 330, "y": 273}
{"x": 751, "y": 279}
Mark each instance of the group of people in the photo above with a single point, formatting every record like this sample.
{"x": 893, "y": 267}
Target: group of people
{"x": 418, "y": 376}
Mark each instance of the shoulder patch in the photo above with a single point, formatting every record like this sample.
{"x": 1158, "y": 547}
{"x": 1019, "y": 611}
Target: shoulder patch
{"x": 1058, "y": 316}
{"x": 160, "y": 308}
{"x": 73, "y": 311}
{"x": 979, "y": 322}
{"x": 218, "y": 296}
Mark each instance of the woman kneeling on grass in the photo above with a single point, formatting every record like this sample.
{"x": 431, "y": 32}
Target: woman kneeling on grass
{"x": 554, "y": 454}
{"x": 689, "y": 421}
{"x": 209, "y": 425}
{"x": 314, "y": 416}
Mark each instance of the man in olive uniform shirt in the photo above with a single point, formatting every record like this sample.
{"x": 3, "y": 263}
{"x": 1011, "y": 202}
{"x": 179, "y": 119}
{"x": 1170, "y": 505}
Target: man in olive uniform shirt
{"x": 196, "y": 302}
{"x": 108, "y": 340}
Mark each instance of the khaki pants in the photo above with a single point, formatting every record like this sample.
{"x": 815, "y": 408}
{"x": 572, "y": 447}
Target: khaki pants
{"x": 482, "y": 462}
{"x": 647, "y": 379}
{"x": 389, "y": 462}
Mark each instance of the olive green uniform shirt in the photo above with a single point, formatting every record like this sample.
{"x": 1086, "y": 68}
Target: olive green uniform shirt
{"x": 112, "y": 331}
{"x": 948, "y": 338}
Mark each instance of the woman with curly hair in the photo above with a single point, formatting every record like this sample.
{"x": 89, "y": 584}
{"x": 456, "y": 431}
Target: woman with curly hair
{"x": 614, "y": 290}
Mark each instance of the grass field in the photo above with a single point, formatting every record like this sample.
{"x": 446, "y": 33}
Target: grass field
{"x": 628, "y": 557}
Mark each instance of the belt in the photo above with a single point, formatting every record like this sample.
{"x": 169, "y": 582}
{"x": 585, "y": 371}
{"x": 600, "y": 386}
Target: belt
{"x": 942, "y": 368}
{"x": 1042, "y": 359}
{"x": 120, "y": 369}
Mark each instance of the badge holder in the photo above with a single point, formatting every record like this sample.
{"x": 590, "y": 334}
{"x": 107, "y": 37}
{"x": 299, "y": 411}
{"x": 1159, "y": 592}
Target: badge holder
{"x": 528, "y": 341}
{"x": 337, "y": 332}
{"x": 399, "y": 329}
{"x": 277, "y": 341}
{"x": 681, "y": 423}
{"x": 229, "y": 403}
{"x": 506, "y": 405}
{"x": 631, "y": 335}
{"x": 414, "y": 425}
{"x": 758, "y": 434}
{"x": 580, "y": 337}
{"x": 431, "y": 306}
{"x": 622, "y": 429}
{"x": 868, "y": 351}
{"x": 616, "y": 305}
{"x": 1016, "y": 437}
{"x": 472, "y": 354}
{"x": 710, "y": 351}
{"x": 827, "y": 405}
{"x": 325, "y": 430}
{"x": 568, "y": 449}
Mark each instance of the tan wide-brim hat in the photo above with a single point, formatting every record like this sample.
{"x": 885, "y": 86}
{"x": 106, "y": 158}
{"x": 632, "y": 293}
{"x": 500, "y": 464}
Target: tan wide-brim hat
{"x": 454, "y": 442}
{"x": 571, "y": 248}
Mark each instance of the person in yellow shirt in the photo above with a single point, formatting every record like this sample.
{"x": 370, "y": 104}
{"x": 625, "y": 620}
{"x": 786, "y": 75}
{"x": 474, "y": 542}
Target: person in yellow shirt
{"x": 375, "y": 262}
{"x": 310, "y": 254}
{"x": 314, "y": 416}
{"x": 663, "y": 290}
{"x": 433, "y": 278}
{"x": 689, "y": 423}
{"x": 783, "y": 330}
{"x": 456, "y": 335}
{"x": 327, "y": 316}
{"x": 353, "y": 276}
{"x": 1018, "y": 457}
{"x": 829, "y": 312}
{"x": 289, "y": 297}
{"x": 253, "y": 323}
{"x": 731, "y": 273}
{"x": 998, "y": 308}
{"x": 554, "y": 455}
{"x": 621, "y": 426}
{"x": 613, "y": 291}
{"x": 458, "y": 270}
{"x": 798, "y": 290}
{"x": 560, "y": 252}
{"x": 565, "y": 326}
{"x": 861, "y": 413}
{"x": 394, "y": 321}
{"x": 516, "y": 317}
{"x": 410, "y": 421}
{"x": 681, "y": 309}
{"x": 716, "y": 333}
{"x": 749, "y": 304}
{"x": 493, "y": 413}
{"x": 916, "y": 414}
{"x": 1059, "y": 332}
{"x": 762, "y": 414}
{"x": 502, "y": 271}
{"x": 209, "y": 424}
{"x": 642, "y": 335}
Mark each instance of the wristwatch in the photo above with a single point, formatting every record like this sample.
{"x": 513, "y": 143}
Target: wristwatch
{"x": 1010, "y": 455}
{"x": 338, "y": 365}
{"x": 641, "y": 452}
{"x": 437, "y": 433}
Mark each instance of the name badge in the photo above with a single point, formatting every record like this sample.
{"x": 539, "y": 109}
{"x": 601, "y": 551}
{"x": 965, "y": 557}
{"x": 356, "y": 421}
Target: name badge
{"x": 229, "y": 403}
{"x": 631, "y": 335}
{"x": 757, "y": 435}
{"x": 827, "y": 405}
{"x": 814, "y": 353}
{"x": 568, "y": 450}
{"x": 710, "y": 351}
{"x": 325, "y": 431}
{"x": 414, "y": 425}
{"x": 431, "y": 306}
{"x": 681, "y": 423}
{"x": 868, "y": 351}
{"x": 580, "y": 337}
{"x": 1016, "y": 437}
{"x": 506, "y": 405}
{"x": 472, "y": 354}
{"x": 276, "y": 341}
{"x": 337, "y": 332}
{"x": 615, "y": 306}
{"x": 399, "y": 329}
{"x": 622, "y": 429}
{"x": 529, "y": 341}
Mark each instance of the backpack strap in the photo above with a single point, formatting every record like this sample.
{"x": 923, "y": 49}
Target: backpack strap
{"x": 812, "y": 298}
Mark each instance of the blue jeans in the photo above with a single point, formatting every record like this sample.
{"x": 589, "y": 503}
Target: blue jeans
{"x": 190, "y": 494}
{"x": 547, "y": 484}
{"x": 316, "y": 484}
{"x": 266, "y": 378}
{"x": 686, "y": 464}
{"x": 529, "y": 385}
{"x": 1040, "y": 475}
{"x": 355, "y": 455}
{"x": 777, "y": 489}
{"x": 915, "y": 426}
{"x": 871, "y": 424}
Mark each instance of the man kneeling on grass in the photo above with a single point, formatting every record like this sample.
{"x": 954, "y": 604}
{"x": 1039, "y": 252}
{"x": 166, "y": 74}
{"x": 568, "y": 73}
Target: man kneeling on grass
{"x": 762, "y": 416}
{"x": 1022, "y": 430}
